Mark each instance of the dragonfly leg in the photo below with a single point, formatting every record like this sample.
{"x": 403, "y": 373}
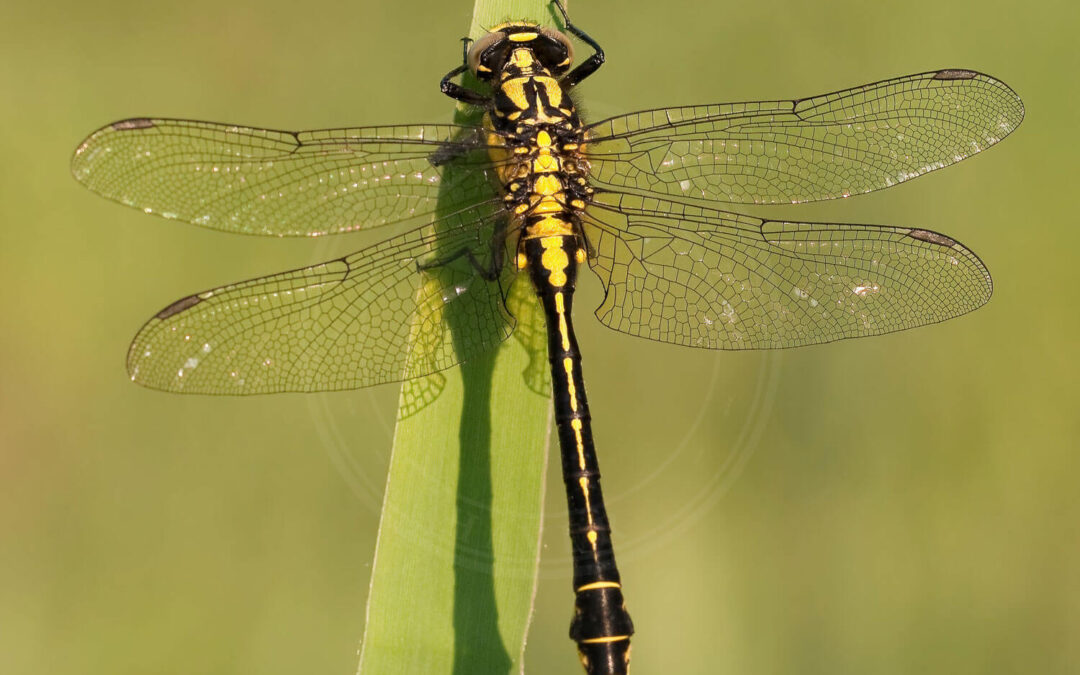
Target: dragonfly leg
{"x": 455, "y": 149}
{"x": 589, "y": 65}
{"x": 458, "y": 92}
{"x": 489, "y": 270}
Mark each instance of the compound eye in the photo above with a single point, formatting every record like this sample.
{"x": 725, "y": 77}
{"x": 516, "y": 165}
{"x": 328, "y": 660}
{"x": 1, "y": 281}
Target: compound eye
{"x": 485, "y": 53}
{"x": 556, "y": 52}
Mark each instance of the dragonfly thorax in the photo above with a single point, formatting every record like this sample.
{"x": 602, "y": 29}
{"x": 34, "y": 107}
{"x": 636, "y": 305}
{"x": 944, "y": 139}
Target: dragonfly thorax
{"x": 535, "y": 135}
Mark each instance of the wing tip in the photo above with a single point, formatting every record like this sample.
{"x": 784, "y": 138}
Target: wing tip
{"x": 954, "y": 74}
{"x": 80, "y": 159}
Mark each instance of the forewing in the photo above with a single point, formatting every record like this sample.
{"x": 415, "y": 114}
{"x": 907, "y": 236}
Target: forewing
{"x": 365, "y": 319}
{"x": 834, "y": 145}
{"x": 279, "y": 183}
{"x": 704, "y": 278}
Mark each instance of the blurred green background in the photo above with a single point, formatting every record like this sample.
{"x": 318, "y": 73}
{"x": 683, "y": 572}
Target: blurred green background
{"x": 892, "y": 505}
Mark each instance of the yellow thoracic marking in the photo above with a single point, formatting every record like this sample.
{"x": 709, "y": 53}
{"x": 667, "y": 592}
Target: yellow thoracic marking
{"x": 554, "y": 91}
{"x": 522, "y": 37}
{"x": 598, "y": 584}
{"x": 522, "y": 58}
{"x": 522, "y": 261}
{"x": 514, "y": 89}
{"x": 579, "y": 255}
{"x": 482, "y": 68}
{"x": 568, "y": 366}
{"x": 543, "y": 139}
{"x": 554, "y": 260}
{"x": 601, "y": 640}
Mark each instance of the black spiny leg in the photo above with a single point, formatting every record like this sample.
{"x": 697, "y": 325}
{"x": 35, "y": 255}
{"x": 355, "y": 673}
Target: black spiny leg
{"x": 458, "y": 92}
{"x": 488, "y": 272}
{"x": 589, "y": 65}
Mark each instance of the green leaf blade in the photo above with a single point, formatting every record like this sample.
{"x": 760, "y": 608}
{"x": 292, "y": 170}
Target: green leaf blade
{"x": 455, "y": 567}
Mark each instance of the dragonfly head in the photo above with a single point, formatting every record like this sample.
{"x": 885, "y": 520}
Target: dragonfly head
{"x": 515, "y": 40}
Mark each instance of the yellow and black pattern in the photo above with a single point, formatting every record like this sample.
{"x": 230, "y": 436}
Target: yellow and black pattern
{"x": 536, "y": 190}
{"x": 536, "y": 141}
{"x": 601, "y": 625}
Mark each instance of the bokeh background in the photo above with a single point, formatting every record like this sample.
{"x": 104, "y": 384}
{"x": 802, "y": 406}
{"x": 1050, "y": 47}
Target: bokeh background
{"x": 892, "y": 505}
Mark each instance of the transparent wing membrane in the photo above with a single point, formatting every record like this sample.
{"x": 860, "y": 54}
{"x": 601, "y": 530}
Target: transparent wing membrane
{"x": 279, "y": 183}
{"x": 674, "y": 271}
{"x": 699, "y": 277}
{"x": 365, "y": 319}
{"x": 829, "y": 146}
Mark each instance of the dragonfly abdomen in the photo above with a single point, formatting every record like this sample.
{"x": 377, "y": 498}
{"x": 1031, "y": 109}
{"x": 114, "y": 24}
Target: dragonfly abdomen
{"x": 601, "y": 625}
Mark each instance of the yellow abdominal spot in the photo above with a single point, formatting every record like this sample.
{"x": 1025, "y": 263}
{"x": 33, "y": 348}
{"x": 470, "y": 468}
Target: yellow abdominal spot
{"x": 599, "y": 584}
{"x": 550, "y": 226}
{"x": 568, "y": 365}
{"x": 560, "y": 307}
{"x": 564, "y": 333}
{"x": 554, "y": 260}
{"x": 547, "y": 185}
{"x": 584, "y": 483}
{"x": 547, "y": 205}
{"x": 575, "y": 424}
{"x": 602, "y": 640}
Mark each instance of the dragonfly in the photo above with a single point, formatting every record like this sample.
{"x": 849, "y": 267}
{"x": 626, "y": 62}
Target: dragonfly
{"x": 533, "y": 193}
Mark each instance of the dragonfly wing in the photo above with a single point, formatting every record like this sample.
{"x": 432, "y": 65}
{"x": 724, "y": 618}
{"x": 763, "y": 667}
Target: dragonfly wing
{"x": 700, "y": 277}
{"x": 834, "y": 145}
{"x": 364, "y": 319}
{"x": 280, "y": 183}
